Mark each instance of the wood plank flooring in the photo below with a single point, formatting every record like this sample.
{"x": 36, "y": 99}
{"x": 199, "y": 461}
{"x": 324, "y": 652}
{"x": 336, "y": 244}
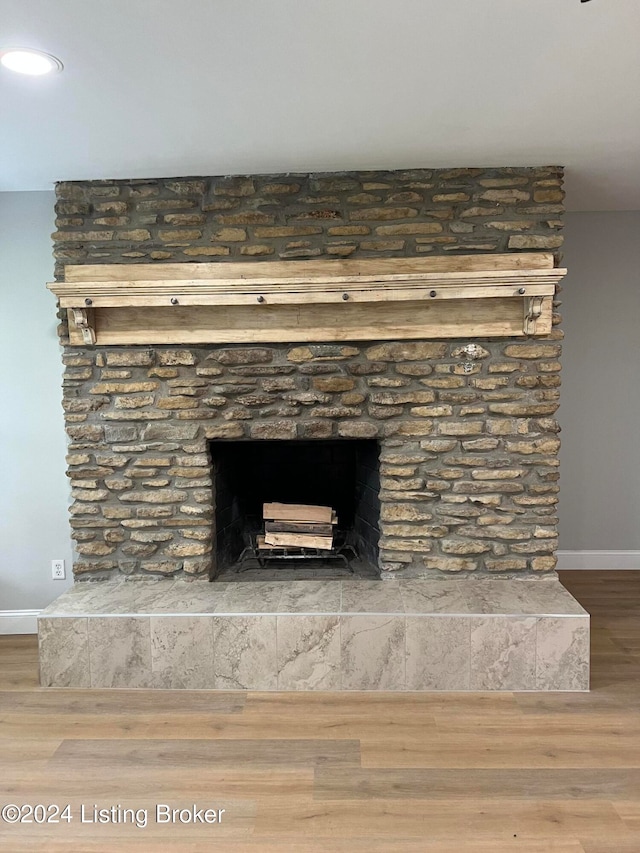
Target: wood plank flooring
{"x": 337, "y": 772}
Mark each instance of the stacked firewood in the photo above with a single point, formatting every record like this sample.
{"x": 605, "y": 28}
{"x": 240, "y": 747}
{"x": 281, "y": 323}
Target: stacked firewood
{"x": 297, "y": 526}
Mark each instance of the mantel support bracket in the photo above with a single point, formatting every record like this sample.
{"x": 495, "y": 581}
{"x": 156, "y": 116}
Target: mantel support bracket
{"x": 84, "y": 320}
{"x": 532, "y": 312}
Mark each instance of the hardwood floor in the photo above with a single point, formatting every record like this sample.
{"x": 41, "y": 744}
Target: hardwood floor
{"x": 330, "y": 773}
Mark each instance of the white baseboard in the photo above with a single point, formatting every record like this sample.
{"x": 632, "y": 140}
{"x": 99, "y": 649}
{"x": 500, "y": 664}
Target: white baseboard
{"x": 19, "y": 621}
{"x": 599, "y": 560}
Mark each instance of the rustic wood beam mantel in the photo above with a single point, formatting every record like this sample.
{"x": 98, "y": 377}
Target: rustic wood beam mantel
{"x": 391, "y": 298}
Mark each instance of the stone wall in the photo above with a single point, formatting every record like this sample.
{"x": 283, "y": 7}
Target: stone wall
{"x": 468, "y": 448}
{"x": 355, "y": 214}
{"x": 468, "y": 440}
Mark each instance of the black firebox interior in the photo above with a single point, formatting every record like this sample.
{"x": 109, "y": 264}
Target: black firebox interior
{"x": 342, "y": 474}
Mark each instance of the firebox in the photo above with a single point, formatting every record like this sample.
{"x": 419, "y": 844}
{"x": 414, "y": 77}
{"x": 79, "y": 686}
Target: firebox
{"x": 342, "y": 474}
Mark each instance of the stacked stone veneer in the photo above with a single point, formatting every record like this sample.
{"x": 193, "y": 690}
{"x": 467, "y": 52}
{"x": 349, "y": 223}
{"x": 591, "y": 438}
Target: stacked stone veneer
{"x": 468, "y": 445}
{"x": 356, "y": 214}
{"x": 468, "y": 440}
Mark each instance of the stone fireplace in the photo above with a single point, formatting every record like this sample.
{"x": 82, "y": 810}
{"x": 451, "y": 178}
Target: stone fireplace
{"x": 467, "y": 439}
{"x": 467, "y": 448}
{"x": 439, "y": 451}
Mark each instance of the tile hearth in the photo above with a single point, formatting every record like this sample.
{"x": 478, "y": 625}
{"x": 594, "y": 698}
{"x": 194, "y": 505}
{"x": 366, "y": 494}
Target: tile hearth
{"x": 416, "y": 635}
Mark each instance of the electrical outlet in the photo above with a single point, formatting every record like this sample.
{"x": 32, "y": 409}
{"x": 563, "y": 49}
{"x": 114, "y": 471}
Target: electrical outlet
{"x": 57, "y": 570}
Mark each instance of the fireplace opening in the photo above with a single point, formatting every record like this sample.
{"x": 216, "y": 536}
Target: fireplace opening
{"x": 340, "y": 474}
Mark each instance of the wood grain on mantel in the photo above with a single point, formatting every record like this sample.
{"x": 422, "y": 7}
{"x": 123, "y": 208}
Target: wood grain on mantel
{"x": 401, "y": 298}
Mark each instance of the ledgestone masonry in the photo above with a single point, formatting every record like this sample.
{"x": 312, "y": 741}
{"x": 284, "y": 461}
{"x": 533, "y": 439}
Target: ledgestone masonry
{"x": 356, "y": 214}
{"x": 468, "y": 437}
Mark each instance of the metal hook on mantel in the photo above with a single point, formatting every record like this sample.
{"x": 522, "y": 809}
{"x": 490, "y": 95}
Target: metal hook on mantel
{"x": 83, "y": 322}
{"x": 532, "y": 312}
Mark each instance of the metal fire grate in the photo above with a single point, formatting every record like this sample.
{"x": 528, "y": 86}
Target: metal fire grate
{"x": 342, "y": 552}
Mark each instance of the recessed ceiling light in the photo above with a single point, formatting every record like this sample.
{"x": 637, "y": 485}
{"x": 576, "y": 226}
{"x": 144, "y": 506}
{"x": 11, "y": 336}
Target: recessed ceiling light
{"x": 25, "y": 60}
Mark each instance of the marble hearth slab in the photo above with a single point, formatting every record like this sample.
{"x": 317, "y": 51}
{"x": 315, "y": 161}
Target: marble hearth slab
{"x": 467, "y": 634}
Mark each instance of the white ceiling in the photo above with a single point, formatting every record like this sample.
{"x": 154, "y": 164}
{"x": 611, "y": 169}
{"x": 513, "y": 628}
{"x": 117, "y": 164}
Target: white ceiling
{"x": 190, "y": 87}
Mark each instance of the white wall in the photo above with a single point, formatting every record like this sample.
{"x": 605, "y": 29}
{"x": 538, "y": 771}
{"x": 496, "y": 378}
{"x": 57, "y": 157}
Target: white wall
{"x": 600, "y": 399}
{"x": 34, "y": 491}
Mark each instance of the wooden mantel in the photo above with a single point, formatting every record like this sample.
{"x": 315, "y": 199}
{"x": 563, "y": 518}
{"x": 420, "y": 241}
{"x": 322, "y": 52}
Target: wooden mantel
{"x": 331, "y": 300}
